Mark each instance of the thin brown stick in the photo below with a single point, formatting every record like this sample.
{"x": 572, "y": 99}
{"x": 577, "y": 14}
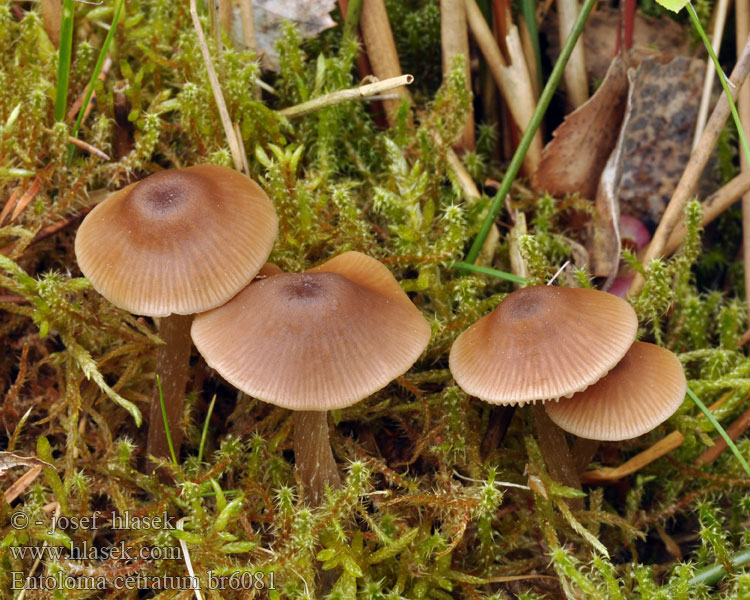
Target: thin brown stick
{"x": 454, "y": 35}
{"x": 24, "y": 481}
{"x": 713, "y": 206}
{"x": 686, "y": 186}
{"x": 742, "y": 16}
{"x": 226, "y": 121}
{"x": 512, "y": 80}
{"x": 381, "y": 49}
{"x": 734, "y": 431}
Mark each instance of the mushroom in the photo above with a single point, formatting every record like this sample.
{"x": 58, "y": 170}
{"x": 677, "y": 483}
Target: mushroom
{"x": 643, "y": 390}
{"x": 312, "y": 342}
{"x": 541, "y": 343}
{"x": 173, "y": 244}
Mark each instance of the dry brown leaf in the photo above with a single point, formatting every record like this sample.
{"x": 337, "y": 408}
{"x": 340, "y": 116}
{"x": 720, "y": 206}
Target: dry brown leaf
{"x": 8, "y": 460}
{"x": 575, "y": 157}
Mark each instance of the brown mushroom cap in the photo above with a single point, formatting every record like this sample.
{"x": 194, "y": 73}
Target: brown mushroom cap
{"x": 645, "y": 388}
{"x": 180, "y": 241}
{"x": 317, "y": 340}
{"x": 542, "y": 342}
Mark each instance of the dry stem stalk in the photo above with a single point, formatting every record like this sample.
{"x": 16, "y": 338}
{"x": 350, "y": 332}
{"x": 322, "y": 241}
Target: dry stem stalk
{"x": 742, "y": 16}
{"x": 455, "y": 40}
{"x": 720, "y": 19}
{"x": 225, "y": 15}
{"x": 345, "y": 95}
{"x": 713, "y": 206}
{"x": 234, "y": 143}
{"x": 513, "y": 80}
{"x": 686, "y": 186}
{"x": 576, "y": 81}
{"x": 248, "y": 25}
{"x": 381, "y": 49}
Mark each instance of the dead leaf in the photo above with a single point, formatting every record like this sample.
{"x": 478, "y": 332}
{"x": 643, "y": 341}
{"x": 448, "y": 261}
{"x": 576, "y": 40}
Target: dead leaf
{"x": 309, "y": 16}
{"x": 574, "y": 159}
{"x": 8, "y": 460}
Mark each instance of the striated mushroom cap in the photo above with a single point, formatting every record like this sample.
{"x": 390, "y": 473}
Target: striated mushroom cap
{"x": 542, "y": 342}
{"x": 180, "y": 241}
{"x": 645, "y": 388}
{"x": 317, "y": 340}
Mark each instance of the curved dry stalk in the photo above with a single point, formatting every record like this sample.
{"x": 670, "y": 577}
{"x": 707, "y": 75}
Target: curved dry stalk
{"x": 713, "y": 206}
{"x": 513, "y": 80}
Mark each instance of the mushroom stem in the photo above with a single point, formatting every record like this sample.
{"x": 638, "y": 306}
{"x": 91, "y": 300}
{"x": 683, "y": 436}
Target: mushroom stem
{"x": 583, "y": 452}
{"x": 557, "y": 454}
{"x": 500, "y": 418}
{"x": 313, "y": 455}
{"x": 172, "y": 366}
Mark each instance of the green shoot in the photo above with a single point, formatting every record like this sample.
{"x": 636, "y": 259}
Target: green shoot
{"x": 489, "y": 271}
{"x": 717, "y": 426}
{"x": 528, "y": 135}
{"x": 166, "y": 421}
{"x": 205, "y": 428}
{"x": 95, "y": 74}
{"x": 63, "y": 65}
{"x": 723, "y": 79}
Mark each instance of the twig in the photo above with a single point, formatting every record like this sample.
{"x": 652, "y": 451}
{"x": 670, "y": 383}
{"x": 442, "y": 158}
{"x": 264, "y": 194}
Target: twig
{"x": 686, "y": 186}
{"x": 576, "y": 80}
{"x": 378, "y": 37}
{"x": 712, "y": 206}
{"x": 24, "y": 481}
{"x": 513, "y": 81}
{"x": 345, "y": 95}
{"x": 734, "y": 431}
{"x": 720, "y": 20}
{"x": 234, "y": 145}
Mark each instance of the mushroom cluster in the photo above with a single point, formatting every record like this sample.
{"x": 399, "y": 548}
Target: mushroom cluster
{"x": 574, "y": 347}
{"x": 174, "y": 244}
{"x": 315, "y": 341}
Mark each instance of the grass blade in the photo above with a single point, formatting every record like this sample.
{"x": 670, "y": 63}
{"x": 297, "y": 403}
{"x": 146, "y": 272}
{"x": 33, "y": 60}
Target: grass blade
{"x": 63, "y": 64}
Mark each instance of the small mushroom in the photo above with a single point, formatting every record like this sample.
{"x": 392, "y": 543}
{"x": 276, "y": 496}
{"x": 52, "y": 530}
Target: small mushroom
{"x": 173, "y": 244}
{"x": 315, "y": 341}
{"x": 645, "y": 388}
{"x": 541, "y": 343}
